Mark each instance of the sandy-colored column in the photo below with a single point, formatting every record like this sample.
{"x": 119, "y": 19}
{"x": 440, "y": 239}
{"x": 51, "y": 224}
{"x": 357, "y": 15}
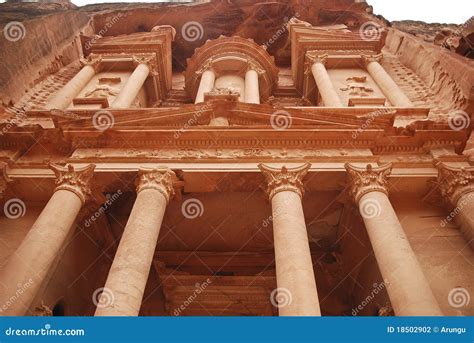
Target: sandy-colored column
{"x": 135, "y": 82}
{"x": 457, "y": 187}
{"x": 385, "y": 82}
{"x": 407, "y": 287}
{"x": 26, "y": 269}
{"x": 323, "y": 81}
{"x": 297, "y": 294}
{"x": 125, "y": 285}
{"x": 208, "y": 78}
{"x": 66, "y": 95}
{"x": 252, "y": 91}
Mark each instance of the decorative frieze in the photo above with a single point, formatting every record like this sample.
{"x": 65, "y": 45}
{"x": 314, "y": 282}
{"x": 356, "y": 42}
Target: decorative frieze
{"x": 284, "y": 179}
{"x": 76, "y": 180}
{"x": 162, "y": 180}
{"x": 454, "y": 182}
{"x": 368, "y": 179}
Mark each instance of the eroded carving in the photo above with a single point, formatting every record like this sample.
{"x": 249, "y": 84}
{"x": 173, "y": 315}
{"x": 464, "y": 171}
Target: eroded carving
{"x": 76, "y": 180}
{"x": 368, "y": 179}
{"x": 453, "y": 182}
{"x": 284, "y": 179}
{"x": 162, "y": 179}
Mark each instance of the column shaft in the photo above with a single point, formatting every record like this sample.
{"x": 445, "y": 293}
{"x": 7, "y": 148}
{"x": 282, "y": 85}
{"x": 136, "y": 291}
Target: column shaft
{"x": 132, "y": 87}
{"x": 409, "y": 291}
{"x": 31, "y": 263}
{"x": 206, "y": 84}
{"x": 325, "y": 86}
{"x": 465, "y": 217}
{"x": 131, "y": 266}
{"x": 294, "y": 267}
{"x": 252, "y": 92}
{"x": 387, "y": 85}
{"x": 66, "y": 95}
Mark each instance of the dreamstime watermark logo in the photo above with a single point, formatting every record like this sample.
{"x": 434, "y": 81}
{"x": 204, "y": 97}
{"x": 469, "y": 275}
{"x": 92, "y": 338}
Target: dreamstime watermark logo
{"x": 281, "y": 31}
{"x": 108, "y": 25}
{"x": 370, "y": 208}
{"x": 14, "y": 208}
{"x": 14, "y": 31}
{"x": 370, "y": 31}
{"x": 103, "y": 297}
{"x": 377, "y": 287}
{"x": 459, "y": 297}
{"x": 110, "y": 200}
{"x": 371, "y": 118}
{"x": 22, "y": 287}
{"x": 281, "y": 297}
{"x": 103, "y": 120}
{"x": 200, "y": 287}
{"x": 192, "y": 208}
{"x": 458, "y": 120}
{"x": 13, "y": 121}
{"x": 192, "y": 31}
{"x": 460, "y": 205}
{"x": 281, "y": 120}
{"x": 193, "y": 121}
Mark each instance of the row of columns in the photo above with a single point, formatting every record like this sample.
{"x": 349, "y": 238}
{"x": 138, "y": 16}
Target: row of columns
{"x": 407, "y": 287}
{"x": 143, "y": 67}
{"x": 329, "y": 94}
{"x": 208, "y": 79}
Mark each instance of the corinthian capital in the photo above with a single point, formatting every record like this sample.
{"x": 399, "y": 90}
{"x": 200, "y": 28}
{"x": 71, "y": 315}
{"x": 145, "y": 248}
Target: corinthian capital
{"x": 313, "y": 57}
{"x": 207, "y": 65}
{"x": 163, "y": 180}
{"x": 95, "y": 61}
{"x": 76, "y": 180}
{"x": 252, "y": 65}
{"x": 368, "y": 179}
{"x": 454, "y": 182}
{"x": 284, "y": 179}
{"x": 371, "y": 58}
{"x": 149, "y": 60}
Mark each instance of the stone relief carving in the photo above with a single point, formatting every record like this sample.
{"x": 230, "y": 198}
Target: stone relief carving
{"x": 76, "y": 180}
{"x": 357, "y": 87}
{"x": 453, "y": 183}
{"x": 284, "y": 179}
{"x": 368, "y": 179}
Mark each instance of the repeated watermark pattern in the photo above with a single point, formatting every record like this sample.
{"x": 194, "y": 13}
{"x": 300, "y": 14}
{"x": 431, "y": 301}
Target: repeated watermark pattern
{"x": 200, "y": 287}
{"x": 459, "y": 120}
{"x": 103, "y": 120}
{"x": 103, "y": 297}
{"x": 14, "y": 208}
{"x": 280, "y": 32}
{"x": 22, "y": 287}
{"x": 460, "y": 205}
{"x": 45, "y": 331}
{"x": 281, "y": 297}
{"x": 281, "y": 120}
{"x": 193, "y": 121}
{"x": 377, "y": 288}
{"x": 192, "y": 31}
{"x": 192, "y": 208}
{"x": 108, "y": 25}
{"x": 13, "y": 121}
{"x": 14, "y": 31}
{"x": 370, "y": 208}
{"x": 371, "y": 118}
{"x": 370, "y": 31}
{"x": 110, "y": 200}
{"x": 459, "y": 297}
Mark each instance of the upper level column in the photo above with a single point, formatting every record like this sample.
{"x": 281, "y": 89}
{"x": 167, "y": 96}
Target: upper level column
{"x": 131, "y": 266}
{"x": 294, "y": 268}
{"x": 407, "y": 287}
{"x": 135, "y": 82}
{"x": 457, "y": 186}
{"x": 208, "y": 77}
{"x": 32, "y": 261}
{"x": 66, "y": 95}
{"x": 385, "y": 82}
{"x": 252, "y": 91}
{"x": 323, "y": 81}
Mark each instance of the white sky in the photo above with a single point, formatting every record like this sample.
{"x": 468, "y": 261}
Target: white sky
{"x": 430, "y": 11}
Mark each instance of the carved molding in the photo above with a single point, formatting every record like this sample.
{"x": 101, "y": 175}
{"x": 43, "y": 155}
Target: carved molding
{"x": 453, "y": 182}
{"x": 76, "y": 180}
{"x": 368, "y": 179}
{"x": 284, "y": 179}
{"x": 366, "y": 59}
{"x": 163, "y": 180}
{"x": 95, "y": 61}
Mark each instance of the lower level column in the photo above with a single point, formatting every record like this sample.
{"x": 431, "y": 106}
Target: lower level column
{"x": 128, "y": 275}
{"x": 31, "y": 263}
{"x": 457, "y": 187}
{"x": 409, "y": 291}
{"x": 296, "y": 284}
